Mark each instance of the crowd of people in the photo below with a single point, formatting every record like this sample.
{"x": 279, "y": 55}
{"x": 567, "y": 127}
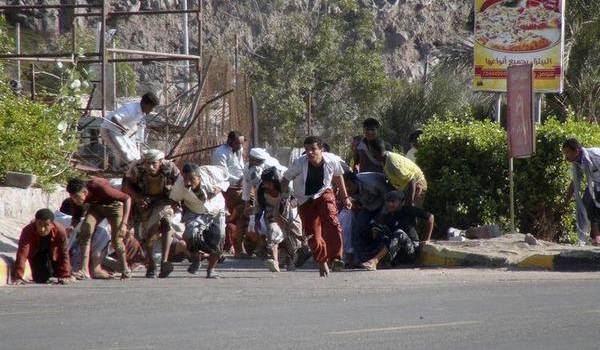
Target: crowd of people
{"x": 360, "y": 213}
{"x": 364, "y": 212}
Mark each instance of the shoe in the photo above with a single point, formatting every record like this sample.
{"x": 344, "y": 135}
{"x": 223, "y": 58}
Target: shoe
{"x": 211, "y": 274}
{"x": 165, "y": 269}
{"x": 272, "y": 265}
{"x": 151, "y": 272}
{"x": 194, "y": 267}
{"x": 337, "y": 265}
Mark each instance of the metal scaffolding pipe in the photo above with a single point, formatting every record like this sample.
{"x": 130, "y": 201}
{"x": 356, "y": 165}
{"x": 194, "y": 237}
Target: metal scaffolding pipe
{"x": 42, "y": 59}
{"x": 46, "y": 55}
{"x": 152, "y": 53}
{"x": 148, "y": 12}
{"x": 37, "y": 7}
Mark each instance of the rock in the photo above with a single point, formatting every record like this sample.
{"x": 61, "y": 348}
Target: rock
{"x": 529, "y": 239}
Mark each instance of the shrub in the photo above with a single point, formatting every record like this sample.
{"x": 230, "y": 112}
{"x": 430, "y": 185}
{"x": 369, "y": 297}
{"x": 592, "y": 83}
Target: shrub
{"x": 39, "y": 138}
{"x": 465, "y": 166}
{"x": 467, "y": 169}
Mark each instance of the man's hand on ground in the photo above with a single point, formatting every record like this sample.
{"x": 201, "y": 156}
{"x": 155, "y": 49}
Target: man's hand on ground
{"x": 67, "y": 280}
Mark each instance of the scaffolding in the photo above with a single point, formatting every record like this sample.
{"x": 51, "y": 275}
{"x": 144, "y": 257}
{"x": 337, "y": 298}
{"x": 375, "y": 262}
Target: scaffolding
{"x": 193, "y": 113}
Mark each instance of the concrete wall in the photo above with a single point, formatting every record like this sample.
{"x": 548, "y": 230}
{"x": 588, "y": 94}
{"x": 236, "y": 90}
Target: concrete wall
{"x": 21, "y": 203}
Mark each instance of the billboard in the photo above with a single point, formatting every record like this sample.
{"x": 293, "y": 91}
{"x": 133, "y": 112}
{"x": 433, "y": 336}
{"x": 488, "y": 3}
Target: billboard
{"x": 519, "y": 102}
{"x": 514, "y": 32}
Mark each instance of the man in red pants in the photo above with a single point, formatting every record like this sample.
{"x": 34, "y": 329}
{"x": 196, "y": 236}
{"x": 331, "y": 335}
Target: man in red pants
{"x": 314, "y": 175}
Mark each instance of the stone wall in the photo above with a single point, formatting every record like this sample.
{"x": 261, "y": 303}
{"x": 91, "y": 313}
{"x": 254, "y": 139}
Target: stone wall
{"x": 21, "y": 203}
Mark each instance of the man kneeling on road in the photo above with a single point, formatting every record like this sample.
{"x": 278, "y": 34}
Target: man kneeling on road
{"x": 200, "y": 192}
{"x": 149, "y": 182}
{"x": 43, "y": 243}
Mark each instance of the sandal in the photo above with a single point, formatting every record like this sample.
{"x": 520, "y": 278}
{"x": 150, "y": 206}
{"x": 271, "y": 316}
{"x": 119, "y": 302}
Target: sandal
{"x": 80, "y": 275}
{"x": 368, "y": 266}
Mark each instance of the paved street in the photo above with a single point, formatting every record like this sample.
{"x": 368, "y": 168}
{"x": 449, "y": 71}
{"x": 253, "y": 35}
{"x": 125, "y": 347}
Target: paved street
{"x": 253, "y": 309}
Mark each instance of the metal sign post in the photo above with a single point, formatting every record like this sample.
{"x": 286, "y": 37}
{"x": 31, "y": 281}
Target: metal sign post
{"x": 519, "y": 122}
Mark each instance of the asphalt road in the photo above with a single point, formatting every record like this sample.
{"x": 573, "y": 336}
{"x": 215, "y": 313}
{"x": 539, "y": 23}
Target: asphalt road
{"x": 252, "y": 309}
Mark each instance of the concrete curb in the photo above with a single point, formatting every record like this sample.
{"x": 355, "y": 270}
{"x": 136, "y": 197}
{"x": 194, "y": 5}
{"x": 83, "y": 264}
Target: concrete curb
{"x": 442, "y": 257}
{"x": 7, "y": 266}
{"x": 566, "y": 260}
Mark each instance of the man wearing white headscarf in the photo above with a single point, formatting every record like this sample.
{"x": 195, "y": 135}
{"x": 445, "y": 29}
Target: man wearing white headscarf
{"x": 245, "y": 241}
{"x": 149, "y": 182}
{"x": 200, "y": 191}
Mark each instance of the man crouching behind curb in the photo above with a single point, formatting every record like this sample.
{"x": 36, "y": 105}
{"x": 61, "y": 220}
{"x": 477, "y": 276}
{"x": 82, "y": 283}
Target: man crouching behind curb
{"x": 200, "y": 191}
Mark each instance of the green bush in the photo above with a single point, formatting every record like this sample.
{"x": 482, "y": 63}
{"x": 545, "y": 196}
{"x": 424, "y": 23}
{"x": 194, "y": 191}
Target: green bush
{"x": 467, "y": 169}
{"x": 37, "y": 138}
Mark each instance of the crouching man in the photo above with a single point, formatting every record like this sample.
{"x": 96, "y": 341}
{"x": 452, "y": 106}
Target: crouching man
{"x": 149, "y": 182}
{"x": 276, "y": 220}
{"x": 43, "y": 243}
{"x": 103, "y": 202}
{"x": 200, "y": 192}
{"x": 395, "y": 236}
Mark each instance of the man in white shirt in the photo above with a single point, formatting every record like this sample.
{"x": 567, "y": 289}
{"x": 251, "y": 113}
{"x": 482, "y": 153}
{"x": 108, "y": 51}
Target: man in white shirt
{"x": 314, "y": 175}
{"x": 200, "y": 191}
{"x": 123, "y": 129}
{"x": 585, "y": 163}
{"x": 231, "y": 157}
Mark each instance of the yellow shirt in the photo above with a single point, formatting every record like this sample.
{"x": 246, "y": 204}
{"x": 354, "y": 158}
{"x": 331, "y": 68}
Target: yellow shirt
{"x": 401, "y": 170}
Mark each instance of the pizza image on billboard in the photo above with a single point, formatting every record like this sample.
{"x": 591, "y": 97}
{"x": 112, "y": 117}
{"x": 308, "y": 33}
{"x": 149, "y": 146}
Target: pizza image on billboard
{"x": 518, "y": 25}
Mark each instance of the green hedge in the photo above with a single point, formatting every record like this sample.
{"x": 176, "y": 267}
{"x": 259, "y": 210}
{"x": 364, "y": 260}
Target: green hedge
{"x": 467, "y": 170}
{"x": 36, "y": 138}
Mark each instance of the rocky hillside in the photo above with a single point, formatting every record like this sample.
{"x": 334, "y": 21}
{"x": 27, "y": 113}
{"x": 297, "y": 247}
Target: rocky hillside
{"x": 411, "y": 31}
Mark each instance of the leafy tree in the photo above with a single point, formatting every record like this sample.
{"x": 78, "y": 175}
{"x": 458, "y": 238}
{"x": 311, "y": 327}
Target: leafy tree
{"x": 329, "y": 54}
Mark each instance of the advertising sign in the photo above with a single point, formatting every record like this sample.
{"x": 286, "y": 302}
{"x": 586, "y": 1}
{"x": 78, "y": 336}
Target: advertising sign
{"x": 514, "y": 32}
{"x": 520, "y": 125}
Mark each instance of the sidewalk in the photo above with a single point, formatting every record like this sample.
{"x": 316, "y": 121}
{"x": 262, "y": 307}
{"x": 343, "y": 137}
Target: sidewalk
{"x": 511, "y": 251}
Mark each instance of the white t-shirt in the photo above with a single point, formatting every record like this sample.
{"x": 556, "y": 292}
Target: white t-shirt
{"x": 129, "y": 115}
{"x": 299, "y": 171}
{"x": 234, "y": 162}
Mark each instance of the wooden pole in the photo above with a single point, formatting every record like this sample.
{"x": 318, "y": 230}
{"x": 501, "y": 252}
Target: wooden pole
{"x": 102, "y": 52}
{"x": 236, "y": 59}
{"x": 200, "y": 49}
{"x": 308, "y": 113}
{"x": 33, "y": 82}
{"x": 18, "y": 42}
